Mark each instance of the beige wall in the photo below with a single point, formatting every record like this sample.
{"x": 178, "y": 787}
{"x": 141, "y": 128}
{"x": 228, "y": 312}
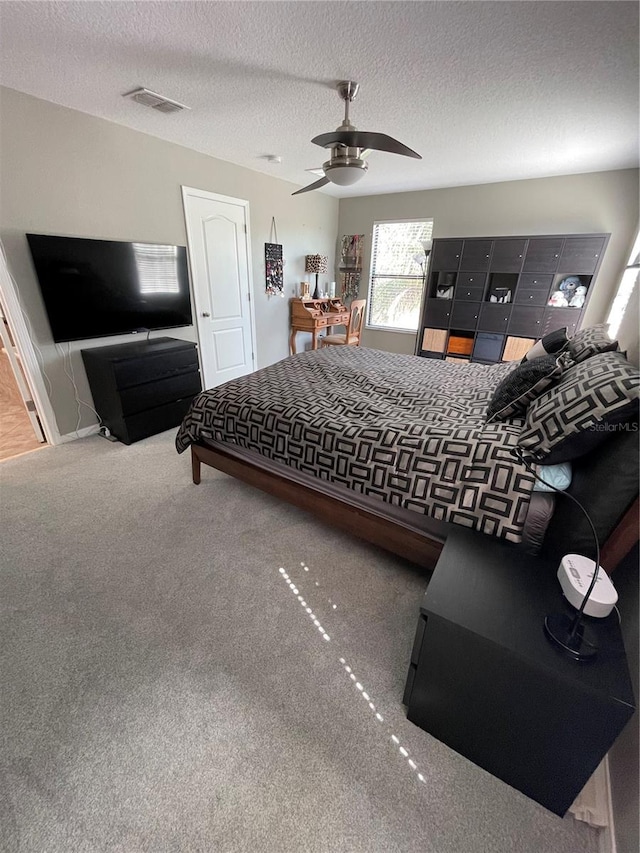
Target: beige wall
{"x": 598, "y": 202}
{"x": 64, "y": 172}
{"x": 68, "y": 173}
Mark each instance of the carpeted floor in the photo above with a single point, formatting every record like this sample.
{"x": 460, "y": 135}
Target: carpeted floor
{"x": 164, "y": 689}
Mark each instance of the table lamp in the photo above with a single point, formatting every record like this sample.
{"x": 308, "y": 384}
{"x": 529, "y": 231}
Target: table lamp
{"x": 316, "y": 264}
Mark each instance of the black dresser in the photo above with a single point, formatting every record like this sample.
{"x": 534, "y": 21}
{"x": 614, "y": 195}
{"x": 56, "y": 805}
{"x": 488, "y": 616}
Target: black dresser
{"x": 489, "y": 298}
{"x": 142, "y": 388}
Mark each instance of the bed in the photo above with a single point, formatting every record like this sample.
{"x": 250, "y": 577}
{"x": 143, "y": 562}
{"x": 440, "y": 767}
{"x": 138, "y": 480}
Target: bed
{"x": 390, "y": 447}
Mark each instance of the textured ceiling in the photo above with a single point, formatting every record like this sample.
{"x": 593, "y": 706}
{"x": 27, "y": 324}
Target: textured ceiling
{"x": 485, "y": 91}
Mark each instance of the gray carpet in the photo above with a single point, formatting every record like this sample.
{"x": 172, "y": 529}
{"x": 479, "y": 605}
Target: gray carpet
{"x": 164, "y": 689}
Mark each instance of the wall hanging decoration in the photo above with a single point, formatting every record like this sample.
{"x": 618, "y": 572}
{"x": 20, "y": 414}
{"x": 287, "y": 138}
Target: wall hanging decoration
{"x": 351, "y": 265}
{"x": 316, "y": 264}
{"x": 273, "y": 264}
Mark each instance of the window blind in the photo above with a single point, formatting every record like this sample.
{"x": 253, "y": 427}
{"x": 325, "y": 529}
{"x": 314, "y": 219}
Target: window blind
{"x": 398, "y": 267}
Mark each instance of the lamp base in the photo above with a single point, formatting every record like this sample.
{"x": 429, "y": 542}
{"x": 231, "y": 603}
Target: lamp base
{"x": 316, "y": 292}
{"x": 577, "y": 644}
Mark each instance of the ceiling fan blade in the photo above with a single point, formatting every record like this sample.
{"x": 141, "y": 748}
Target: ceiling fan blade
{"x": 314, "y": 186}
{"x": 364, "y": 139}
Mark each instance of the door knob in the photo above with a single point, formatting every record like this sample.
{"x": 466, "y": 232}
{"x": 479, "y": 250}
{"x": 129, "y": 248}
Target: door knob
{"x": 206, "y": 314}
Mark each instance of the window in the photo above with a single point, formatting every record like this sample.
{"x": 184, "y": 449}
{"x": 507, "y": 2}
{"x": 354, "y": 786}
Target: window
{"x": 625, "y": 289}
{"x": 398, "y": 269}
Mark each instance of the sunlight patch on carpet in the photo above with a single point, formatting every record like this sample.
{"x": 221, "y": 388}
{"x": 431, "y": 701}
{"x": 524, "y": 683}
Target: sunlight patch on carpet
{"x": 300, "y": 597}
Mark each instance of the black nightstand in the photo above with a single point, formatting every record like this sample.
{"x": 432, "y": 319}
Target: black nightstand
{"x": 484, "y": 679}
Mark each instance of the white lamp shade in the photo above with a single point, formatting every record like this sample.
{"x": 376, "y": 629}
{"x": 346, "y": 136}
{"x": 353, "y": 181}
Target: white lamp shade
{"x": 344, "y": 175}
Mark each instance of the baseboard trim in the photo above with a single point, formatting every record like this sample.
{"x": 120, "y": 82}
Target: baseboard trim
{"x": 594, "y": 806}
{"x": 94, "y": 429}
{"x": 607, "y": 837}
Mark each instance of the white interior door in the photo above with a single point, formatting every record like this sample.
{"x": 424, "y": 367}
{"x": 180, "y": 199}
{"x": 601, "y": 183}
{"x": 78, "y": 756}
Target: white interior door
{"x": 219, "y": 256}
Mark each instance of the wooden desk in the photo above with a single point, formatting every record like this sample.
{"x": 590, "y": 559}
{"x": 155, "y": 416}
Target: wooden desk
{"x": 313, "y": 315}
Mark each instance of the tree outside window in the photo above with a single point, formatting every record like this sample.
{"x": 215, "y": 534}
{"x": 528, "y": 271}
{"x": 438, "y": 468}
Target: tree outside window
{"x": 398, "y": 270}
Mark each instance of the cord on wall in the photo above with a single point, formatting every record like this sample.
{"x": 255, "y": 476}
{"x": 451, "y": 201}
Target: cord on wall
{"x": 70, "y": 374}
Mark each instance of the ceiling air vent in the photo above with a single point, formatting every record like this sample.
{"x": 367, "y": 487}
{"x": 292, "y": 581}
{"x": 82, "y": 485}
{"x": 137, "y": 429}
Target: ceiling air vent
{"x": 158, "y": 102}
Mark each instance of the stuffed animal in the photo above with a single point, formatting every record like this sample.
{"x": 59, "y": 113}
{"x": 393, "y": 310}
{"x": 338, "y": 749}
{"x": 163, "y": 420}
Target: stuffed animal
{"x": 569, "y": 285}
{"x": 558, "y": 300}
{"x": 578, "y": 298}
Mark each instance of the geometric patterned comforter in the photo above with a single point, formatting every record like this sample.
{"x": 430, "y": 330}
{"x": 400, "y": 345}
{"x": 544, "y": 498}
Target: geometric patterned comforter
{"x": 408, "y": 430}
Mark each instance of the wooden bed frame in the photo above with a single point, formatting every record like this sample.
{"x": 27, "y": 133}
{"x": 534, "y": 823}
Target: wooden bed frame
{"x": 392, "y": 535}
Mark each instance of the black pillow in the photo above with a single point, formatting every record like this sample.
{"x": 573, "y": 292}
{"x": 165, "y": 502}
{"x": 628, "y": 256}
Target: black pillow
{"x": 554, "y": 342}
{"x": 521, "y": 386}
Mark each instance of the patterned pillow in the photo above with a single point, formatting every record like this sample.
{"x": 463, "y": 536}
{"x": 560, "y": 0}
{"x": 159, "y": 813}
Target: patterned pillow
{"x": 592, "y": 399}
{"x": 591, "y": 341}
{"x": 554, "y": 342}
{"x": 521, "y": 386}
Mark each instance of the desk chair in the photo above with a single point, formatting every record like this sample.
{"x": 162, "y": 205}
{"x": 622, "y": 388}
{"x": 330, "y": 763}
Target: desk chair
{"x": 354, "y": 329}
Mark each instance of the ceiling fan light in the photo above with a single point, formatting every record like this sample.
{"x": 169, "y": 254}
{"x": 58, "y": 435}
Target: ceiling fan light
{"x": 344, "y": 175}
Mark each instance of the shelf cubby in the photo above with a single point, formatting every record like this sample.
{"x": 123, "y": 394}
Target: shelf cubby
{"x": 501, "y": 287}
{"x": 568, "y": 289}
{"x": 460, "y": 343}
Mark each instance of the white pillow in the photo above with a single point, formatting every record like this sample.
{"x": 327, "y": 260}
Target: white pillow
{"x": 553, "y": 475}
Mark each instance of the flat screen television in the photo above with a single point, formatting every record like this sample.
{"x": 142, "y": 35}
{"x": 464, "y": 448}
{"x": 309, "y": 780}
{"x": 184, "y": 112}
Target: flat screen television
{"x": 95, "y": 288}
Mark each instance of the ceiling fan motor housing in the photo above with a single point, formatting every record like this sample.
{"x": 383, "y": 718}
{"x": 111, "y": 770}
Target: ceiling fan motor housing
{"x": 346, "y": 166}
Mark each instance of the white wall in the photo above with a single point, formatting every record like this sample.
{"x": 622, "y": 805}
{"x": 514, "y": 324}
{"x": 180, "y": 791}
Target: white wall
{"x": 67, "y": 173}
{"x": 598, "y": 202}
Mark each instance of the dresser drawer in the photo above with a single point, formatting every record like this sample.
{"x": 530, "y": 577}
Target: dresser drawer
{"x": 543, "y": 254}
{"x": 465, "y": 315}
{"x": 136, "y": 371}
{"x": 534, "y": 281}
{"x": 437, "y": 313}
{"x": 153, "y": 421}
{"x": 153, "y": 394}
{"x": 531, "y": 297}
{"x": 581, "y": 254}
{"x": 526, "y": 321}
{"x": 476, "y": 254}
{"x": 494, "y": 318}
{"x": 558, "y": 318}
{"x": 446, "y": 254}
{"x": 469, "y": 294}
{"x": 508, "y": 255}
{"x": 337, "y": 319}
{"x": 471, "y": 279}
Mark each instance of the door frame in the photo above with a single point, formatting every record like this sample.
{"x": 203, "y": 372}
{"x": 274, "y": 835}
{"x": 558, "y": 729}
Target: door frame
{"x": 19, "y": 326}
{"x": 192, "y": 192}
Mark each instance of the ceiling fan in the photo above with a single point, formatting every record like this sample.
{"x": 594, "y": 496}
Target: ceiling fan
{"x": 349, "y": 146}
